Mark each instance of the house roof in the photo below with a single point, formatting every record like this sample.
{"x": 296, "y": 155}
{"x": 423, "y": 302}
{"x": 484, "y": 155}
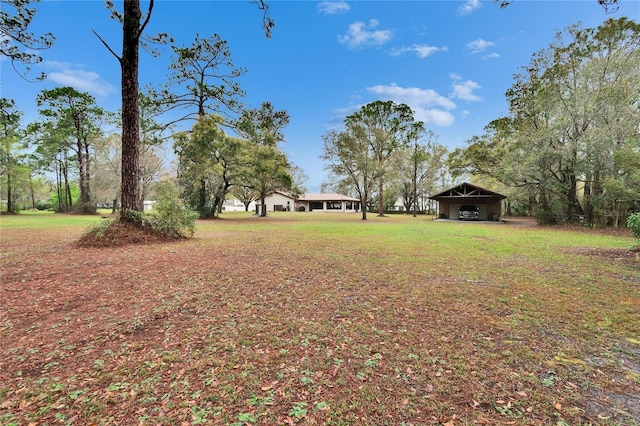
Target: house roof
{"x": 330, "y": 196}
{"x": 466, "y": 190}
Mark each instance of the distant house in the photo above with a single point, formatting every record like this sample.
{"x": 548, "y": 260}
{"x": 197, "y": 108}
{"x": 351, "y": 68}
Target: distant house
{"x": 279, "y": 202}
{"x": 488, "y": 202}
{"x": 235, "y": 205}
{"x": 329, "y": 202}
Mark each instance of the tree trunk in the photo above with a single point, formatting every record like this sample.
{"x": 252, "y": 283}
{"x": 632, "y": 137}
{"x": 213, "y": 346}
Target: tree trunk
{"x": 380, "y": 198}
{"x": 68, "y": 198}
{"x": 363, "y": 201}
{"x": 202, "y": 196}
{"x": 85, "y": 202}
{"x": 10, "y": 206}
{"x": 33, "y": 195}
{"x": 263, "y": 211}
{"x": 415, "y": 181}
{"x": 130, "y": 116}
{"x": 59, "y": 184}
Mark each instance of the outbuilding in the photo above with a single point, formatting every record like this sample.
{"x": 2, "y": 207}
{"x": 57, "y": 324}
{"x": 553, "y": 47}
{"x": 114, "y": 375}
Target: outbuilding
{"x": 450, "y": 200}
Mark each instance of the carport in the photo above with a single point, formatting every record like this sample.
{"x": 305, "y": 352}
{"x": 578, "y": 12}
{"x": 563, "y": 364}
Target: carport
{"x": 450, "y": 200}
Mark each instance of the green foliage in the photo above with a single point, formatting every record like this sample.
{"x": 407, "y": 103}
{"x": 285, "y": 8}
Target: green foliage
{"x": 633, "y": 223}
{"x": 586, "y": 81}
{"x": 19, "y": 44}
{"x": 99, "y": 229}
{"x": 544, "y": 216}
{"x": 170, "y": 217}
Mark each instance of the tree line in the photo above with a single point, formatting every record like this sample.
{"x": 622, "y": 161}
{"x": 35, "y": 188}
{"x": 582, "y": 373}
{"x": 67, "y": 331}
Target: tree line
{"x": 75, "y": 137}
{"x": 568, "y": 148}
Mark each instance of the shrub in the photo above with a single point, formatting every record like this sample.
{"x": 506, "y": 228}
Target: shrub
{"x": 100, "y": 229}
{"x": 170, "y": 217}
{"x": 544, "y": 217}
{"x": 633, "y": 223}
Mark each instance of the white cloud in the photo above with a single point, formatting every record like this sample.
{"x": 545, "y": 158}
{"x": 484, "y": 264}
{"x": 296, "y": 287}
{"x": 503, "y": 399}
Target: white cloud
{"x": 360, "y": 34}
{"x": 493, "y": 55}
{"x": 84, "y": 81}
{"x": 479, "y": 45}
{"x": 469, "y": 6}
{"x": 69, "y": 74}
{"x": 333, "y": 7}
{"x": 421, "y": 50}
{"x": 427, "y": 104}
{"x": 464, "y": 90}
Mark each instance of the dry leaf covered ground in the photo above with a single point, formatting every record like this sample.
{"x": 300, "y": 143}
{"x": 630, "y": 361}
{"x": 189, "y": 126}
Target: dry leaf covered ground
{"x": 321, "y": 319}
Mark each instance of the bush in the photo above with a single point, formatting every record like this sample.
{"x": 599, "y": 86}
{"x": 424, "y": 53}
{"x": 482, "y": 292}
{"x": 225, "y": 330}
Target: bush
{"x": 170, "y": 217}
{"x": 544, "y": 217}
{"x": 633, "y": 223}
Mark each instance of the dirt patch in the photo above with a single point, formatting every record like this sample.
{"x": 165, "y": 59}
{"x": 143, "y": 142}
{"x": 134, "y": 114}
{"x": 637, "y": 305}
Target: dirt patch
{"x": 623, "y": 256}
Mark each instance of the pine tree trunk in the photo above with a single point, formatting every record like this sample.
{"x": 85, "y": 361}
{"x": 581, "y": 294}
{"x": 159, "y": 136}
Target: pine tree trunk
{"x": 380, "y": 198}
{"x": 10, "y": 206}
{"x": 130, "y": 119}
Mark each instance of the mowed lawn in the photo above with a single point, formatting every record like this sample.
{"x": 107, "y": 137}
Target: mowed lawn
{"x": 314, "y": 319}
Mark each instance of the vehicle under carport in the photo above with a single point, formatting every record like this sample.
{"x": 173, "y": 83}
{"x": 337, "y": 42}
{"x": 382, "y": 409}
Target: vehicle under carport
{"x": 450, "y": 200}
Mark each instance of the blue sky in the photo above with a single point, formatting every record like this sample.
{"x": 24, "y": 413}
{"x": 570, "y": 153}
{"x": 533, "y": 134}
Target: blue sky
{"x": 451, "y": 61}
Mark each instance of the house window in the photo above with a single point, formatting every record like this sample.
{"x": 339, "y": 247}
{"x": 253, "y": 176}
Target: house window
{"x": 349, "y": 205}
{"x": 334, "y": 205}
{"x": 316, "y": 205}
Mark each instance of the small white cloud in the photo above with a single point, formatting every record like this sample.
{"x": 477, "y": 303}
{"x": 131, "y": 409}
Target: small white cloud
{"x": 469, "y": 6}
{"x": 479, "y": 45}
{"x": 421, "y": 50}
{"x": 464, "y": 90}
{"x": 493, "y": 55}
{"x": 428, "y": 106}
{"x": 360, "y": 34}
{"x": 84, "y": 81}
{"x": 333, "y": 7}
{"x": 454, "y": 76}
{"x": 69, "y": 74}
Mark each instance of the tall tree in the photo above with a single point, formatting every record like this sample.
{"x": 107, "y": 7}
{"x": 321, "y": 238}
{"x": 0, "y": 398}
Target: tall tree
{"x": 348, "y": 156}
{"x": 210, "y": 158}
{"x": 203, "y": 80}
{"x": 17, "y": 43}
{"x": 133, "y": 26}
{"x": 74, "y": 116}
{"x": 10, "y": 149}
{"x": 573, "y": 112}
{"x": 52, "y": 148}
{"x": 386, "y": 127}
{"x": 268, "y": 169}
{"x": 420, "y": 167}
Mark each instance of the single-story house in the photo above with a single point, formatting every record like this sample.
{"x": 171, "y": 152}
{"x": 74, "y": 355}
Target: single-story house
{"x": 330, "y": 202}
{"x": 278, "y": 202}
{"x": 488, "y": 202}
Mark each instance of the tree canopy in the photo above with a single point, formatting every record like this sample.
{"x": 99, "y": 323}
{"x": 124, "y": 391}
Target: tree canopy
{"x": 17, "y": 43}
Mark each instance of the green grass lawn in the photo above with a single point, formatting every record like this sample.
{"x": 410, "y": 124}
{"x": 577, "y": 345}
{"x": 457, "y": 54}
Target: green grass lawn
{"x": 320, "y": 318}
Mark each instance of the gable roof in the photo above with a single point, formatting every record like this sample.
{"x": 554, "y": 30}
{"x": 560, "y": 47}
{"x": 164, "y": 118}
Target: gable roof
{"x": 466, "y": 190}
{"x": 330, "y": 196}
